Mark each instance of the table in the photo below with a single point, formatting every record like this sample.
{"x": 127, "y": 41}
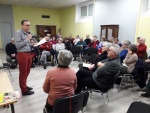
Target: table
{"x": 5, "y": 87}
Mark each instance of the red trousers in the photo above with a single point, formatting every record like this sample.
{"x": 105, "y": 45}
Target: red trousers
{"x": 24, "y": 61}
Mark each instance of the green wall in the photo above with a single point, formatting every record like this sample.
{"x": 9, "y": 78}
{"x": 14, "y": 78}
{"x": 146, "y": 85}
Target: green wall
{"x": 68, "y": 25}
{"x": 67, "y": 21}
{"x": 63, "y": 18}
{"x": 34, "y": 15}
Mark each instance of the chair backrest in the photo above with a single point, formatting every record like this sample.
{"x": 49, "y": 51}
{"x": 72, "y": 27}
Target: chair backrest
{"x": 72, "y": 104}
{"x": 75, "y": 49}
{"x": 139, "y": 107}
{"x": 90, "y": 51}
{"x": 112, "y": 82}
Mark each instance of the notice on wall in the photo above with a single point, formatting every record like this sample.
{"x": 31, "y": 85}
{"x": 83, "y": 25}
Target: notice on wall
{"x": 109, "y": 33}
{"x": 103, "y": 32}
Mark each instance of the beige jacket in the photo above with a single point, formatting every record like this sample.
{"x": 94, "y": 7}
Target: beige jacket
{"x": 130, "y": 61}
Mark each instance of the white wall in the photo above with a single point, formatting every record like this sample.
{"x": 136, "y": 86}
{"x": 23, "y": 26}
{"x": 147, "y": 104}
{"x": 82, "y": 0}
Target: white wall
{"x": 122, "y": 12}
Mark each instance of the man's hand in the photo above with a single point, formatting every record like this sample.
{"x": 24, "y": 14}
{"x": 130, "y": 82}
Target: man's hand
{"x": 148, "y": 60}
{"x": 29, "y": 37}
{"x": 13, "y": 55}
{"x": 91, "y": 66}
{"x": 99, "y": 64}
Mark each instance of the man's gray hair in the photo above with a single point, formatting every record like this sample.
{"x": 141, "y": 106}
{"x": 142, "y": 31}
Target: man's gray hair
{"x": 65, "y": 57}
{"x": 107, "y": 44}
{"x": 116, "y": 49}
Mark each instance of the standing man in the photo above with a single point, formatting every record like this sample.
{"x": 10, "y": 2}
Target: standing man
{"x": 11, "y": 52}
{"x": 22, "y": 41}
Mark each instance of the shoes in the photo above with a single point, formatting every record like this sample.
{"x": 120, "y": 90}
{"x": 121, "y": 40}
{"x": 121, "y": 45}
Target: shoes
{"x": 147, "y": 94}
{"x": 45, "y": 66}
{"x": 80, "y": 65}
{"x": 144, "y": 89}
{"x": 29, "y": 88}
{"x": 28, "y": 93}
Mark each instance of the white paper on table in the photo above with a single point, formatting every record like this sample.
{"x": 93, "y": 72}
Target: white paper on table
{"x": 40, "y": 42}
{"x": 86, "y": 65}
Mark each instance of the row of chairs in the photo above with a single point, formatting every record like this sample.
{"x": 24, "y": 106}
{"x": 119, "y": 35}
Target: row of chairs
{"x": 85, "y": 53}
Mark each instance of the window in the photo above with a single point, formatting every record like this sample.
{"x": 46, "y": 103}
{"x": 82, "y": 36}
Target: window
{"x": 87, "y": 10}
{"x": 84, "y": 11}
{"x": 90, "y": 11}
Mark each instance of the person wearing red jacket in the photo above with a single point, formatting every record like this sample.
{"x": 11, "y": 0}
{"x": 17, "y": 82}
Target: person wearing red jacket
{"x": 46, "y": 48}
{"x": 141, "y": 48}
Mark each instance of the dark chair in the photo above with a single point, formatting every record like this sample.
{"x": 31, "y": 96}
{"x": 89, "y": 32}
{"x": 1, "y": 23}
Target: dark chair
{"x": 7, "y": 66}
{"x": 105, "y": 91}
{"x": 128, "y": 75}
{"x": 139, "y": 107}
{"x": 76, "y": 51}
{"x": 88, "y": 52}
{"x": 137, "y": 75}
{"x": 70, "y": 104}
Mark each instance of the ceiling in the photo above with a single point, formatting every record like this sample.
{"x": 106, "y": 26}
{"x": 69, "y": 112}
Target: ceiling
{"x": 54, "y": 4}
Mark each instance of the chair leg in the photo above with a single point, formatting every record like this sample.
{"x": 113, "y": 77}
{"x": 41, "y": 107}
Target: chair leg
{"x": 107, "y": 96}
{"x": 90, "y": 94}
{"x": 10, "y": 74}
{"x": 120, "y": 83}
{"x": 133, "y": 83}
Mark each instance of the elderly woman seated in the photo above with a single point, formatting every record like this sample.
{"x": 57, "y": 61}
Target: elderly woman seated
{"x": 60, "y": 81}
{"x": 104, "y": 74}
{"x": 130, "y": 60}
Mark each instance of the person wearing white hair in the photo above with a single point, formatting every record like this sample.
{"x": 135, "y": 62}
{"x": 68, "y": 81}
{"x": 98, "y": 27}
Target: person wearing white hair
{"x": 60, "y": 81}
{"x": 141, "y": 48}
{"x": 104, "y": 74}
{"x": 94, "y": 59}
{"x": 91, "y": 42}
{"x": 124, "y": 50}
{"x": 11, "y": 54}
{"x": 59, "y": 46}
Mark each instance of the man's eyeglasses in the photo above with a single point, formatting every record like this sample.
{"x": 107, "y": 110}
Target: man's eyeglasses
{"x": 27, "y": 25}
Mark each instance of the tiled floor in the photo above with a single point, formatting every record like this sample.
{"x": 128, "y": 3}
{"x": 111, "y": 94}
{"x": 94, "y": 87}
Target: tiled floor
{"x": 119, "y": 102}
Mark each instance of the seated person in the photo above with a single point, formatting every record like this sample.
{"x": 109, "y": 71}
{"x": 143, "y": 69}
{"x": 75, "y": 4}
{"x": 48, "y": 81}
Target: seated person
{"x": 46, "y": 48}
{"x": 103, "y": 75}
{"x": 146, "y": 90}
{"x": 11, "y": 52}
{"x": 130, "y": 60}
{"x": 87, "y": 40}
{"x": 124, "y": 50}
{"x": 141, "y": 48}
{"x": 34, "y": 51}
{"x": 71, "y": 39}
{"x": 59, "y": 46}
{"x": 81, "y": 43}
{"x": 76, "y": 40}
{"x": 53, "y": 40}
{"x": 67, "y": 43}
{"x": 96, "y": 42}
{"x": 60, "y": 81}
{"x": 91, "y": 42}
{"x": 97, "y": 58}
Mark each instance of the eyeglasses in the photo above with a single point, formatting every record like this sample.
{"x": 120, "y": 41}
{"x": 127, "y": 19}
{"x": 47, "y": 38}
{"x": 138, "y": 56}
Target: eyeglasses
{"x": 27, "y": 25}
